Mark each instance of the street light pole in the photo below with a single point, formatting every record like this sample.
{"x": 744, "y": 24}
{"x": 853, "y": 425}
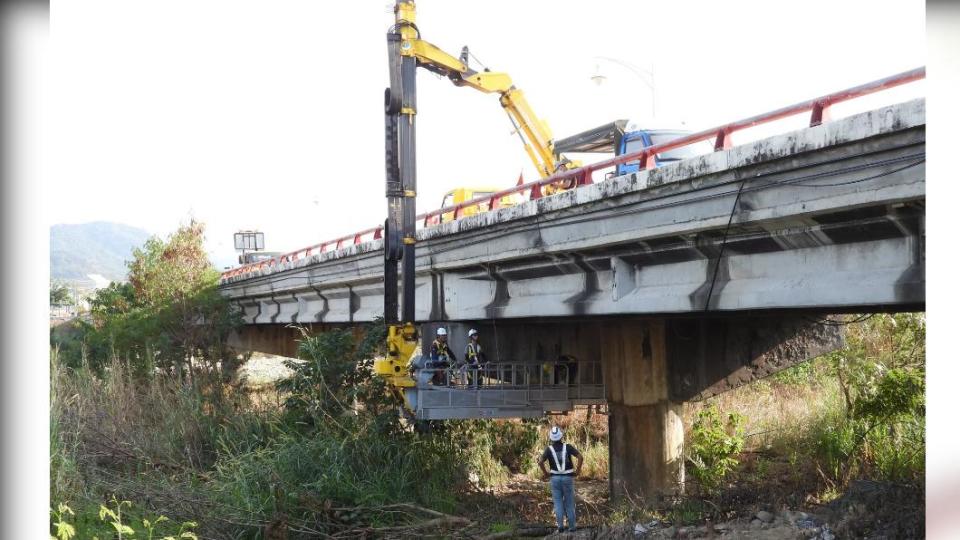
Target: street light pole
{"x": 645, "y": 76}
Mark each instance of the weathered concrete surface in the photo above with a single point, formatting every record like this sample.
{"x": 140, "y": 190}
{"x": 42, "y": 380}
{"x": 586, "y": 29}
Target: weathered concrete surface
{"x": 280, "y": 339}
{"x": 646, "y": 450}
{"x": 707, "y": 356}
{"x": 645, "y": 426}
{"x": 829, "y": 218}
{"x": 275, "y": 339}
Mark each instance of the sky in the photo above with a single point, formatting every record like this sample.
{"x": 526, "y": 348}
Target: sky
{"x": 269, "y": 115}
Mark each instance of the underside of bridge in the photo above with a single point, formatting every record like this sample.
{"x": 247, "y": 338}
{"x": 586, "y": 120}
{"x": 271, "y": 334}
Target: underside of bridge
{"x": 651, "y": 366}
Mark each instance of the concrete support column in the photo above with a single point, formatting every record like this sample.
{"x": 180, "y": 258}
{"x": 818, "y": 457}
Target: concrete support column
{"x": 646, "y": 429}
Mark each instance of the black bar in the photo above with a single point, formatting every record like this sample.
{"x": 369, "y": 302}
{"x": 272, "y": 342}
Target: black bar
{"x": 393, "y": 225}
{"x": 408, "y": 182}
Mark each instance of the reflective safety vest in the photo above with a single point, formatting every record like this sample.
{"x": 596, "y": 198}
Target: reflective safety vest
{"x": 561, "y": 463}
{"x": 473, "y": 353}
{"x": 440, "y": 352}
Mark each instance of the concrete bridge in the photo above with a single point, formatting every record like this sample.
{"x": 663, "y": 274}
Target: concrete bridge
{"x": 827, "y": 218}
{"x": 682, "y": 281}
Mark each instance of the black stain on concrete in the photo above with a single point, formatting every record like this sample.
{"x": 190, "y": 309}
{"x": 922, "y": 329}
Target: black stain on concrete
{"x": 645, "y": 347}
{"x": 910, "y": 286}
{"x": 354, "y": 302}
{"x": 591, "y": 285}
{"x": 438, "y": 310}
{"x": 717, "y": 272}
{"x": 326, "y": 305}
{"x": 273, "y": 318}
{"x": 501, "y": 296}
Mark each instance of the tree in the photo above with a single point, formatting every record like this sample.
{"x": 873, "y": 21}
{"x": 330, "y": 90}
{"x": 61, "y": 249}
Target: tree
{"x": 169, "y": 315}
{"x": 175, "y": 284}
{"x": 60, "y": 294}
{"x": 881, "y": 375}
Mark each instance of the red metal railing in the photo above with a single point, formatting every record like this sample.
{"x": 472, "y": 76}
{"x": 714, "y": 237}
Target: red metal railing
{"x": 721, "y": 136}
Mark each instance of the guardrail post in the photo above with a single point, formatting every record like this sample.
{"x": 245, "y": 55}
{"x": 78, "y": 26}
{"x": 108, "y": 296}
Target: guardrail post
{"x": 648, "y": 161}
{"x": 723, "y": 141}
{"x": 820, "y": 113}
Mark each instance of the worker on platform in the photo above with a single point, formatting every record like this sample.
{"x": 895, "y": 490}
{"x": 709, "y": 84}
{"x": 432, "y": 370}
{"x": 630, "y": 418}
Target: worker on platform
{"x": 475, "y": 358}
{"x": 441, "y": 357}
{"x": 560, "y": 456}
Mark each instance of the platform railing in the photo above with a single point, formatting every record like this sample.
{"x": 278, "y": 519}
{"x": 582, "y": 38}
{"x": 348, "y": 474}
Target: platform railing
{"x": 511, "y": 385}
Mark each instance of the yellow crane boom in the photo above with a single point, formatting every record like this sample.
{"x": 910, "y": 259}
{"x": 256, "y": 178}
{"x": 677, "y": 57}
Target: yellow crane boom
{"x": 534, "y": 132}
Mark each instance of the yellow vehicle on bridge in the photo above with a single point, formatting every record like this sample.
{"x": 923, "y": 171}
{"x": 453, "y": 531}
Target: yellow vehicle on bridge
{"x": 463, "y": 194}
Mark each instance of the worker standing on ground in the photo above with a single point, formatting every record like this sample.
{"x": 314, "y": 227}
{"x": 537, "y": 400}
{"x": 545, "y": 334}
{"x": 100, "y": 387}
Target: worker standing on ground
{"x": 441, "y": 357}
{"x": 560, "y": 456}
{"x": 474, "y": 357}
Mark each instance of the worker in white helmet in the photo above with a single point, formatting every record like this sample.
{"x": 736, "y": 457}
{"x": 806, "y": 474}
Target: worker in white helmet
{"x": 474, "y": 357}
{"x": 441, "y": 357}
{"x": 560, "y": 456}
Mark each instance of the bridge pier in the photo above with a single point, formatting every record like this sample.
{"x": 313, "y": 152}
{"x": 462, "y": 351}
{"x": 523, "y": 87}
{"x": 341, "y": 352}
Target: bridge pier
{"x": 653, "y": 366}
{"x": 645, "y": 425}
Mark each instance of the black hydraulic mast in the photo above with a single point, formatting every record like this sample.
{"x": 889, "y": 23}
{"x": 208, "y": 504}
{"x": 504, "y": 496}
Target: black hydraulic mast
{"x": 400, "y": 227}
{"x": 399, "y": 239}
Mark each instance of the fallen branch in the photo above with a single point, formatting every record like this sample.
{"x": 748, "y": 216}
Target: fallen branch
{"x": 448, "y": 521}
{"x": 522, "y": 532}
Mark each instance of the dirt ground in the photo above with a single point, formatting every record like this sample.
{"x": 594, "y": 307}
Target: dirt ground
{"x": 523, "y": 508}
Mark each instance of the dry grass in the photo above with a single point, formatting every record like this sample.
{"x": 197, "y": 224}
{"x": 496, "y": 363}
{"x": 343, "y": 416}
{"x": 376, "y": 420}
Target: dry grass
{"x": 127, "y": 425}
{"x": 587, "y": 431}
{"x": 772, "y": 409}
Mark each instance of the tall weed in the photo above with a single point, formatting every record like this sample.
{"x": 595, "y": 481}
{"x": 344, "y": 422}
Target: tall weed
{"x": 715, "y": 442}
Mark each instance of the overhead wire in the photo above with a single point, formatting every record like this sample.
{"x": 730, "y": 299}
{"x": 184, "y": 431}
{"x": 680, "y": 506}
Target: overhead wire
{"x": 828, "y": 322}
{"x": 723, "y": 244}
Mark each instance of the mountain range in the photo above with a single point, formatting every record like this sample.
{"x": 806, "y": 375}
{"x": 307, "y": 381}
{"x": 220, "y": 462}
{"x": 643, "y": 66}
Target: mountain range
{"x": 82, "y": 252}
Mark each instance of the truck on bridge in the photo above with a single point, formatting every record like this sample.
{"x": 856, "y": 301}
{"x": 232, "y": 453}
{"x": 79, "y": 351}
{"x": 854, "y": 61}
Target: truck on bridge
{"x": 622, "y": 137}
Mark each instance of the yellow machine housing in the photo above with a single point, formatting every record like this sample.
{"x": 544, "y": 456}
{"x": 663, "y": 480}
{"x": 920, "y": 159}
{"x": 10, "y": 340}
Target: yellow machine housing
{"x": 463, "y": 194}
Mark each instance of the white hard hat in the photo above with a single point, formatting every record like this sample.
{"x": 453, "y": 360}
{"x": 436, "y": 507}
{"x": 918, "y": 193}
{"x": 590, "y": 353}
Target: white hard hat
{"x": 555, "y": 434}
{"x": 472, "y": 332}
{"x": 441, "y": 331}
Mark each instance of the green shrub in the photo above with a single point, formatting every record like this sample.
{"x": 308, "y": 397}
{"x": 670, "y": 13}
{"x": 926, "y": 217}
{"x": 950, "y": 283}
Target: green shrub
{"x": 513, "y": 443}
{"x": 337, "y": 378}
{"x": 346, "y": 464}
{"x": 714, "y": 444}
{"x": 800, "y": 374}
{"x": 119, "y": 519}
{"x": 879, "y": 433}
{"x": 883, "y": 438}
{"x": 596, "y": 461}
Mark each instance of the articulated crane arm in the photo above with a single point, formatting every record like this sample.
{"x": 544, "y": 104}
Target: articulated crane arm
{"x": 406, "y": 52}
{"x": 534, "y": 132}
